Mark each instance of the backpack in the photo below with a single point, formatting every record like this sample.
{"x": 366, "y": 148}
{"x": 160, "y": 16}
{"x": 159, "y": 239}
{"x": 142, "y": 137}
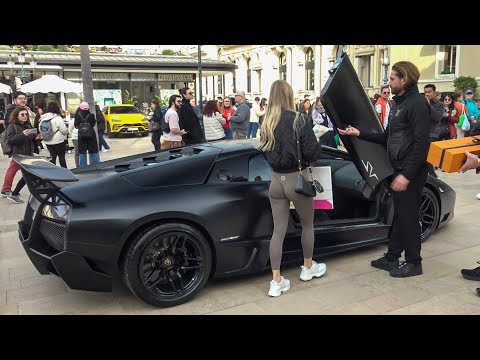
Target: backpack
{"x": 6, "y": 147}
{"x": 46, "y": 129}
{"x": 85, "y": 131}
{"x": 164, "y": 125}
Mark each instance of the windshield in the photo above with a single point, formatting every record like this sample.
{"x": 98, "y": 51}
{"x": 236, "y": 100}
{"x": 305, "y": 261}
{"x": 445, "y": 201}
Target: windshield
{"x": 124, "y": 110}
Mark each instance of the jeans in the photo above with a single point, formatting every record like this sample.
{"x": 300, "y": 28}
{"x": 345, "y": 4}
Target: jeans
{"x": 252, "y": 130}
{"x": 228, "y": 133}
{"x": 13, "y": 167}
{"x": 156, "y": 139}
{"x": 101, "y": 140}
{"x": 57, "y": 150}
{"x": 94, "y": 157}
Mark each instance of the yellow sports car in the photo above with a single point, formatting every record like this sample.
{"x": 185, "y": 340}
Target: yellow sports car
{"x": 124, "y": 119}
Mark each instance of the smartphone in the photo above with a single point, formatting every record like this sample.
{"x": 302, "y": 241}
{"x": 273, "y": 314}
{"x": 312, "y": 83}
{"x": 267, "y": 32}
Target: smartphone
{"x": 34, "y": 131}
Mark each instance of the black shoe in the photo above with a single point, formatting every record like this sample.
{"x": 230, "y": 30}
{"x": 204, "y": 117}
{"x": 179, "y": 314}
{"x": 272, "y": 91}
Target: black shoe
{"x": 478, "y": 291}
{"x": 472, "y": 274}
{"x": 406, "y": 269}
{"x": 384, "y": 264}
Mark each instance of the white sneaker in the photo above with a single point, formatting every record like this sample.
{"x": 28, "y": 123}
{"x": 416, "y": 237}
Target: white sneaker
{"x": 478, "y": 196}
{"x": 317, "y": 270}
{"x": 276, "y": 288}
{"x": 105, "y": 150}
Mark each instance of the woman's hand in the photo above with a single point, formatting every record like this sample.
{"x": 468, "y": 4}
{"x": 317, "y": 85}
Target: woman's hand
{"x": 349, "y": 130}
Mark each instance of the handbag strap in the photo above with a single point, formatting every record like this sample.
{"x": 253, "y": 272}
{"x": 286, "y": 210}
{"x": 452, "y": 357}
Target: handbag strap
{"x": 299, "y": 154}
{"x": 299, "y": 150}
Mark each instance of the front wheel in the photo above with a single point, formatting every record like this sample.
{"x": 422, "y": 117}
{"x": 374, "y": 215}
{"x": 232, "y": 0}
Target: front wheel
{"x": 168, "y": 264}
{"x": 429, "y": 213}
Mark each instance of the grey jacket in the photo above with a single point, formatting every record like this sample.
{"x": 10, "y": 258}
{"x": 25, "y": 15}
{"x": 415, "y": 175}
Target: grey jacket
{"x": 240, "y": 121}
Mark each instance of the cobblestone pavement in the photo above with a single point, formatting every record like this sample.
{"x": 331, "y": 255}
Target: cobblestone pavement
{"x": 351, "y": 285}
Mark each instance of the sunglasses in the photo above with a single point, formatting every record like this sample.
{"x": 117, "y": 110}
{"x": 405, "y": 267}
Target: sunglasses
{"x": 189, "y": 93}
{"x": 23, "y": 114}
{"x": 178, "y": 101}
{"x": 386, "y": 92}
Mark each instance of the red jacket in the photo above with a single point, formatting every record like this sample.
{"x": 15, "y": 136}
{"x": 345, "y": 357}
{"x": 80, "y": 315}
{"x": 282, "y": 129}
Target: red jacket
{"x": 225, "y": 115}
{"x": 381, "y": 102}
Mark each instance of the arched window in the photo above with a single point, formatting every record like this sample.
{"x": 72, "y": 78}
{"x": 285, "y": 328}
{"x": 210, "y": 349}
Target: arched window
{"x": 309, "y": 70}
{"x": 282, "y": 68}
{"x": 249, "y": 76}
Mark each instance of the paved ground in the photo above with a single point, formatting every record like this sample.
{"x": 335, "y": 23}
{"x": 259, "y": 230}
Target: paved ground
{"x": 351, "y": 285}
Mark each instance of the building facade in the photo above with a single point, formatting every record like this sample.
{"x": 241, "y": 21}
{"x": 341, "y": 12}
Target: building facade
{"x": 306, "y": 67}
{"x": 114, "y": 75}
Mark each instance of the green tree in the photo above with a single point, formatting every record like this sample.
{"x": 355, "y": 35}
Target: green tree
{"x": 5, "y": 47}
{"x": 128, "y": 98}
{"x": 168, "y": 52}
{"x": 63, "y": 48}
{"x": 45, "y": 48}
{"x": 463, "y": 83}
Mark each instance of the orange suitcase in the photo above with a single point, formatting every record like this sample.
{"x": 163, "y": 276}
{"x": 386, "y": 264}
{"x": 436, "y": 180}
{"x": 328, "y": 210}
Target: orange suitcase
{"x": 449, "y": 155}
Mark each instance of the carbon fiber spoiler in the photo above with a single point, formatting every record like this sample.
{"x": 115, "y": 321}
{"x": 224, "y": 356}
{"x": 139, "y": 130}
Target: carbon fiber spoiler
{"x": 42, "y": 177}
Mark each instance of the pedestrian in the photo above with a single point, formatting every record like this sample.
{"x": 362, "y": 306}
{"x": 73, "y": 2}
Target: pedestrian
{"x": 281, "y": 126}
{"x": 22, "y": 139}
{"x": 240, "y": 121}
{"x": 56, "y": 143}
{"x": 101, "y": 123}
{"x": 407, "y": 140}
{"x": 87, "y": 139}
{"x": 473, "y": 162}
{"x": 188, "y": 119}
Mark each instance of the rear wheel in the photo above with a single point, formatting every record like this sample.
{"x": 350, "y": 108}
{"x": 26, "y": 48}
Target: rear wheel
{"x": 429, "y": 213}
{"x": 167, "y": 264}
{"x": 109, "y": 131}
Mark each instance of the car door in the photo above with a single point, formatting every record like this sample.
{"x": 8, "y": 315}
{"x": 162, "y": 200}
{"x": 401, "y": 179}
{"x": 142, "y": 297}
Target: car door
{"x": 347, "y": 103}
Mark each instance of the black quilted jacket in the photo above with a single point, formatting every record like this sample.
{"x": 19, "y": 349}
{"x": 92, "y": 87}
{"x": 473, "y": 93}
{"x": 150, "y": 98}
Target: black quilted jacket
{"x": 283, "y": 158}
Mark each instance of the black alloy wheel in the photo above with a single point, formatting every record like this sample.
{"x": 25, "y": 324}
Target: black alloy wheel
{"x": 167, "y": 264}
{"x": 429, "y": 213}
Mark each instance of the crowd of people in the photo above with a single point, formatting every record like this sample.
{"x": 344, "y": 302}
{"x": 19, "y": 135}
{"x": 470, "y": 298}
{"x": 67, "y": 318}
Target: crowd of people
{"x": 291, "y": 137}
{"x": 28, "y": 132}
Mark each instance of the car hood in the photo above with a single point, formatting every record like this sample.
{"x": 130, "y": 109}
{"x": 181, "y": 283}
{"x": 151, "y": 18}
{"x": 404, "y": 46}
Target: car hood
{"x": 347, "y": 103}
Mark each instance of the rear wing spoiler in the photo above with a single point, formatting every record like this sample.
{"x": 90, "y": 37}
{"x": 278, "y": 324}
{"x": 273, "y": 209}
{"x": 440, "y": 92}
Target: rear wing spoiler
{"x": 42, "y": 177}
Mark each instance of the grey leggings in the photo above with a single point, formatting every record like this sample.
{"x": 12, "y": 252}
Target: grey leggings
{"x": 281, "y": 192}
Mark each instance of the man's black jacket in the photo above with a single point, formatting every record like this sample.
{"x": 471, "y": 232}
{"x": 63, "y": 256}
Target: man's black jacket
{"x": 407, "y": 133}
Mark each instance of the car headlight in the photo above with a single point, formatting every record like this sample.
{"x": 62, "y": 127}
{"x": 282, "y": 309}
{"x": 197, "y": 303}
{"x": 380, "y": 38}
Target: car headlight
{"x": 59, "y": 211}
{"x": 116, "y": 120}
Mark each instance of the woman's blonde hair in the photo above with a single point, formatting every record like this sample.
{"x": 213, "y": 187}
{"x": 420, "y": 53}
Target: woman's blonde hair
{"x": 281, "y": 98}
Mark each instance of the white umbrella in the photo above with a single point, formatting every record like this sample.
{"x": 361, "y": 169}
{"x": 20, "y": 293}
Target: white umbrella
{"x": 5, "y": 89}
{"x": 51, "y": 83}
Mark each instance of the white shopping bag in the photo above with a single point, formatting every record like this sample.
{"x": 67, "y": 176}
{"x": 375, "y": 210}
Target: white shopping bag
{"x": 323, "y": 200}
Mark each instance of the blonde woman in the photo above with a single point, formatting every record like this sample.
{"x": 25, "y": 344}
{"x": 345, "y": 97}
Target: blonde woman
{"x": 280, "y": 129}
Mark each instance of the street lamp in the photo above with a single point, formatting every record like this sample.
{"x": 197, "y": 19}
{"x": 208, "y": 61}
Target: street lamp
{"x": 21, "y": 60}
{"x": 385, "y": 61}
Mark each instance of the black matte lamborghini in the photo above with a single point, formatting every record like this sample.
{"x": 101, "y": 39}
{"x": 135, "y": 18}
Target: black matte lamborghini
{"x": 165, "y": 222}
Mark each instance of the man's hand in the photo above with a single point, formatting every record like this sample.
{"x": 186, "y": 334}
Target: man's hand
{"x": 349, "y": 130}
{"x": 400, "y": 183}
{"x": 472, "y": 162}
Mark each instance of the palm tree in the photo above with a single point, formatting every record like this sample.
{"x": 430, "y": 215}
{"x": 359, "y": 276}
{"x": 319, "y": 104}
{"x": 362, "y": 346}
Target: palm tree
{"x": 87, "y": 80}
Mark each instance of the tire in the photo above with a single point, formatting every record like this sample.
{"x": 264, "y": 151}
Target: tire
{"x": 153, "y": 266}
{"x": 109, "y": 131}
{"x": 429, "y": 213}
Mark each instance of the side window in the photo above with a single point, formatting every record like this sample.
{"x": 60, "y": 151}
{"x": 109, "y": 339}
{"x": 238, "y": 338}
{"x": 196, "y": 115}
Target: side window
{"x": 259, "y": 169}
